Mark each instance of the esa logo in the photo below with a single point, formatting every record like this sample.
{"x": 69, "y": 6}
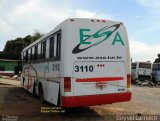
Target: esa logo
{"x": 99, "y": 36}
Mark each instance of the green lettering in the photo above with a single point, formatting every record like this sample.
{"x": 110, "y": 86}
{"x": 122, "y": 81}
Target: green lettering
{"x": 117, "y": 38}
{"x": 84, "y": 36}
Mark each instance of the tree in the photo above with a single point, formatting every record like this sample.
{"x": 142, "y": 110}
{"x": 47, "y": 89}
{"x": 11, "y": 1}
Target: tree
{"x": 36, "y": 35}
{"x": 27, "y": 40}
{"x": 13, "y": 48}
{"x": 157, "y": 60}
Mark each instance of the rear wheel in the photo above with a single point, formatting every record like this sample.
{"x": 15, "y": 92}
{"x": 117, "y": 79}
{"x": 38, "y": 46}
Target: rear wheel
{"x": 41, "y": 95}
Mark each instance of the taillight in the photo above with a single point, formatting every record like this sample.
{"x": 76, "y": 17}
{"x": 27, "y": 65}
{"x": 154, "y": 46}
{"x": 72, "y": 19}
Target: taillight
{"x": 67, "y": 84}
{"x": 128, "y": 80}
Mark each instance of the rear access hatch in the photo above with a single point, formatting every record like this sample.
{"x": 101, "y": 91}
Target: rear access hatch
{"x": 99, "y": 78}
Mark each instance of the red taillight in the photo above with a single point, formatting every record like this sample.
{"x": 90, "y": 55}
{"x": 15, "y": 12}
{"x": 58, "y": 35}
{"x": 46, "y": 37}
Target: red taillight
{"x": 103, "y": 20}
{"x": 128, "y": 80}
{"x": 67, "y": 84}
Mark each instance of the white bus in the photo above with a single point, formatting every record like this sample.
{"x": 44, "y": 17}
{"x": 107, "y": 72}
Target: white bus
{"x": 141, "y": 70}
{"x": 156, "y": 72}
{"x": 82, "y": 62}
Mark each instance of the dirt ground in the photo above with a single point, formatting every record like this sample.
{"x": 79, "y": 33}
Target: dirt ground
{"x": 15, "y": 101}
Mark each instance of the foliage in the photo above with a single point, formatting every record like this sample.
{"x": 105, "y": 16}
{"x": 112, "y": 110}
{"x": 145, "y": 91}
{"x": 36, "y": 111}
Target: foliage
{"x": 13, "y": 48}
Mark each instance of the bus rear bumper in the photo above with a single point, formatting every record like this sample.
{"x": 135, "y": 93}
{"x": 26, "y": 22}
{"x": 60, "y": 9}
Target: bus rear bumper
{"x": 89, "y": 100}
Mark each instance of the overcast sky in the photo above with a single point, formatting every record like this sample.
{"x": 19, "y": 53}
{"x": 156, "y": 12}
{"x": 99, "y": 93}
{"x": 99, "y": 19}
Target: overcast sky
{"x": 141, "y": 18}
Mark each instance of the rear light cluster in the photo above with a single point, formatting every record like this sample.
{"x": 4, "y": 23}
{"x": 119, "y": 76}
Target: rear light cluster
{"x": 128, "y": 80}
{"x": 97, "y": 20}
{"x": 67, "y": 84}
{"x": 93, "y": 20}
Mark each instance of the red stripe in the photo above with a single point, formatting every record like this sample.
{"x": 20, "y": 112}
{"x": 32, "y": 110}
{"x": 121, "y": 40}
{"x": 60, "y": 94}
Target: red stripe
{"x": 89, "y": 100}
{"x": 100, "y": 79}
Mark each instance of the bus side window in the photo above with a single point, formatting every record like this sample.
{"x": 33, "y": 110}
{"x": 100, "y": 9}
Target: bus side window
{"x": 51, "y": 47}
{"x": 55, "y": 46}
{"x": 58, "y": 48}
{"x": 47, "y": 48}
{"x": 43, "y": 49}
{"x": 29, "y": 55}
{"x": 39, "y": 51}
{"x": 26, "y": 57}
{"x": 35, "y": 52}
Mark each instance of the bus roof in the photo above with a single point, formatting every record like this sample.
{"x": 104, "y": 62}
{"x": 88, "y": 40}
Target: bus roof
{"x": 58, "y": 26}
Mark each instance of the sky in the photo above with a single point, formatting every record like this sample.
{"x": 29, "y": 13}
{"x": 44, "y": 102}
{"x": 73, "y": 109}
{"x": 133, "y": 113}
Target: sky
{"x": 141, "y": 17}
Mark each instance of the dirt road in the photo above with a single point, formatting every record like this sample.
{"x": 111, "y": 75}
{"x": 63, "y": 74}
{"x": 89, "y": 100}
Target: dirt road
{"x": 15, "y": 101}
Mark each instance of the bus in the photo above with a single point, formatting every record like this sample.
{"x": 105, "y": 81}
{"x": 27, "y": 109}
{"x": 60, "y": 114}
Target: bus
{"x": 156, "y": 72}
{"x": 82, "y": 62}
{"x": 141, "y": 70}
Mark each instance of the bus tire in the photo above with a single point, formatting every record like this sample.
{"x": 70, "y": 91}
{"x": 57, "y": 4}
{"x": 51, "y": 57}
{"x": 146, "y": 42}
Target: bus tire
{"x": 41, "y": 94}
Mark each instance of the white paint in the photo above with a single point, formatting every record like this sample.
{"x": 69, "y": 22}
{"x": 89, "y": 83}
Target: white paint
{"x": 70, "y": 31}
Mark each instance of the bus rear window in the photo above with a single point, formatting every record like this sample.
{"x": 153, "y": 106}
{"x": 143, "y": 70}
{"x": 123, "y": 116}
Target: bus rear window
{"x": 156, "y": 67}
{"x": 134, "y": 65}
{"x": 145, "y": 65}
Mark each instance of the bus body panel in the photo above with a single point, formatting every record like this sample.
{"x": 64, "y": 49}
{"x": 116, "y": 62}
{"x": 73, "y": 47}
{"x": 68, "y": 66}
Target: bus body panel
{"x": 45, "y": 73}
{"x": 111, "y": 50}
